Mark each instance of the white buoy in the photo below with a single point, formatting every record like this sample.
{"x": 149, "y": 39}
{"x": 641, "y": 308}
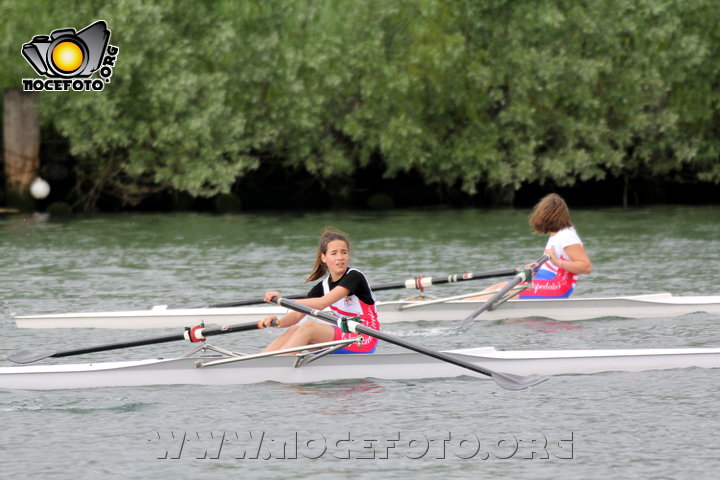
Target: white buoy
{"x": 39, "y": 188}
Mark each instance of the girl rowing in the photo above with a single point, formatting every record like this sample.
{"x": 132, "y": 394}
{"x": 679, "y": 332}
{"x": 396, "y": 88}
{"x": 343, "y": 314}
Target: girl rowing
{"x": 568, "y": 258}
{"x": 344, "y": 289}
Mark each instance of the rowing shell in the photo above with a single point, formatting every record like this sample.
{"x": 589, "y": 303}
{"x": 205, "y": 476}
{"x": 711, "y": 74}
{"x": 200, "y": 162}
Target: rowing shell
{"x": 638, "y": 306}
{"x": 402, "y": 366}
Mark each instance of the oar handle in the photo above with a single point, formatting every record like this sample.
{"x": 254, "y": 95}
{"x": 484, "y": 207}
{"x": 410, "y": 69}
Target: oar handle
{"x": 200, "y": 332}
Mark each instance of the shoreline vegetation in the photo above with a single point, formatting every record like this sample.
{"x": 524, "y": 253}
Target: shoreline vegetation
{"x": 269, "y": 104}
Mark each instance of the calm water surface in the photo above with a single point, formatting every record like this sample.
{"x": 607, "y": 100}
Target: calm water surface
{"x": 615, "y": 425}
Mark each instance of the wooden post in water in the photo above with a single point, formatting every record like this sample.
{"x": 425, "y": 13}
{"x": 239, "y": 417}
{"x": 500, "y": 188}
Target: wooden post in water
{"x": 21, "y": 140}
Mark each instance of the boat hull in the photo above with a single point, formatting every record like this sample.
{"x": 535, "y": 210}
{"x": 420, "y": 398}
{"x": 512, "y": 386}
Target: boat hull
{"x": 392, "y": 366}
{"x": 639, "y": 306}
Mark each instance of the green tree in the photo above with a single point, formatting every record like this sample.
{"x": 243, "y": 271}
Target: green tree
{"x": 470, "y": 95}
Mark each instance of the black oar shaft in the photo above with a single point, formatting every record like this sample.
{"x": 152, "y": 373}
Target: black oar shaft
{"x": 118, "y": 345}
{"x": 198, "y": 333}
{"x": 511, "y": 382}
{"x": 239, "y": 303}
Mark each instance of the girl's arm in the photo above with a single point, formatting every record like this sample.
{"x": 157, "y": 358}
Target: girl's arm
{"x": 318, "y": 303}
{"x": 579, "y": 262}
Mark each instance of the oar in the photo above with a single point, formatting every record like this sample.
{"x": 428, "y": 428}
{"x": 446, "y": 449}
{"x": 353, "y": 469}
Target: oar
{"x": 195, "y": 334}
{"x": 423, "y": 282}
{"x": 425, "y": 303}
{"x": 505, "y": 380}
{"x": 239, "y": 303}
{"x": 523, "y": 276}
{"x": 417, "y": 282}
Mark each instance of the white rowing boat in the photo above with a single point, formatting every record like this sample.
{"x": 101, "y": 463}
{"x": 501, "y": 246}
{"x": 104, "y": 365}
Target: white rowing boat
{"x": 638, "y": 306}
{"x": 236, "y": 369}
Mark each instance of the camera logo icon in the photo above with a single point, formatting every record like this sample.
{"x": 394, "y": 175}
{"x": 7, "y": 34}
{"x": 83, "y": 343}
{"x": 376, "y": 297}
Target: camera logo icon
{"x": 67, "y": 53}
{"x": 68, "y": 58}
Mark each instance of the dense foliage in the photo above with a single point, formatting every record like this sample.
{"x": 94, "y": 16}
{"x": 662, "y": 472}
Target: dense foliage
{"x": 466, "y": 93}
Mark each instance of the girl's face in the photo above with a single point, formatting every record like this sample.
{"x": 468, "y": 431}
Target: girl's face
{"x": 336, "y": 257}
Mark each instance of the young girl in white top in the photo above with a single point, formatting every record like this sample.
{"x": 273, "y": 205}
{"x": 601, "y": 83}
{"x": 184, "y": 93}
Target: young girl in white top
{"x": 555, "y": 278}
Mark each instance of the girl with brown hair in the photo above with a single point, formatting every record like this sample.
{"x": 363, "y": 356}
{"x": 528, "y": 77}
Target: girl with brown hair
{"x": 568, "y": 258}
{"x": 344, "y": 289}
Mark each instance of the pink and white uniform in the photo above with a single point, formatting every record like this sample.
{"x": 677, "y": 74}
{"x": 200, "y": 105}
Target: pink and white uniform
{"x": 549, "y": 280}
{"x": 360, "y": 303}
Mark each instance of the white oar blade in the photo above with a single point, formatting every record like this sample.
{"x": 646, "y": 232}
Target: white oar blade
{"x": 26, "y": 356}
{"x": 516, "y": 382}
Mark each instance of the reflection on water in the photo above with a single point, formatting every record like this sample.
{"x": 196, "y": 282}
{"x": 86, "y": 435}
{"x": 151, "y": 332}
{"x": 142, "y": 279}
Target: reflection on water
{"x": 335, "y": 390}
{"x": 542, "y": 325}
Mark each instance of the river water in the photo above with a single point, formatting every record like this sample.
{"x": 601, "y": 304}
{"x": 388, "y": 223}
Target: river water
{"x": 661, "y": 424}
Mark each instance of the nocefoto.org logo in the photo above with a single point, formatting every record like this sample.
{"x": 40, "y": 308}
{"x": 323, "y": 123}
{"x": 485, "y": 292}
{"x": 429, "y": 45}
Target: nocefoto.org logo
{"x": 68, "y": 58}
